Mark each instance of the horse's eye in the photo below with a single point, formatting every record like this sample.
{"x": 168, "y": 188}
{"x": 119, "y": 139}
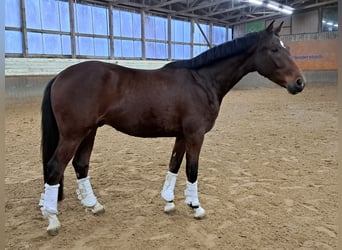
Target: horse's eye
{"x": 274, "y": 50}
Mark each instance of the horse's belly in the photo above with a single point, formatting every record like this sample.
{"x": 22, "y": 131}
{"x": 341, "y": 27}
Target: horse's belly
{"x": 136, "y": 124}
{"x": 148, "y": 130}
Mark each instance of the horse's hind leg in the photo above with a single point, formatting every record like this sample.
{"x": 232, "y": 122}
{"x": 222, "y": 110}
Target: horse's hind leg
{"x": 55, "y": 170}
{"x": 81, "y": 165}
{"x": 167, "y": 192}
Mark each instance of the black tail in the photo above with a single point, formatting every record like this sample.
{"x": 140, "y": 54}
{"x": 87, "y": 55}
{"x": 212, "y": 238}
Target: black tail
{"x": 50, "y": 134}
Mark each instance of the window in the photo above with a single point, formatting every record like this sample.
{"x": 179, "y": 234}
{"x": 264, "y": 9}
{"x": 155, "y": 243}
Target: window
{"x": 156, "y": 37}
{"x": 127, "y": 34}
{"x": 43, "y": 19}
{"x": 100, "y": 21}
{"x": 198, "y": 36}
{"x": 126, "y": 24}
{"x": 329, "y": 19}
{"x": 200, "y": 43}
{"x": 33, "y": 20}
{"x": 219, "y": 35}
{"x": 180, "y": 39}
{"x": 13, "y": 42}
{"x": 91, "y": 27}
{"x": 83, "y": 19}
{"x": 48, "y": 32}
{"x": 13, "y": 35}
{"x": 12, "y": 13}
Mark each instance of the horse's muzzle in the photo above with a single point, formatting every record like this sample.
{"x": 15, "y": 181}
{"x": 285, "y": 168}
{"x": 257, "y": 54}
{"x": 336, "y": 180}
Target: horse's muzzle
{"x": 296, "y": 87}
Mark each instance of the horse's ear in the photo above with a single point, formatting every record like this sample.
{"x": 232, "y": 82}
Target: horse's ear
{"x": 269, "y": 29}
{"x": 277, "y": 30}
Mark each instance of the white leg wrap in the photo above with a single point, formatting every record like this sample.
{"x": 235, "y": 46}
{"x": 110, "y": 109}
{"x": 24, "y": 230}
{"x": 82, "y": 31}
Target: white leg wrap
{"x": 48, "y": 203}
{"x": 169, "y": 186}
{"x": 191, "y": 199}
{"x": 85, "y": 192}
{"x": 168, "y": 191}
{"x": 86, "y": 195}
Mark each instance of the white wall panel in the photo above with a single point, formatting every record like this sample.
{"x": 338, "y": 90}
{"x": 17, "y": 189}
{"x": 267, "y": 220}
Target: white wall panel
{"x": 52, "y": 66}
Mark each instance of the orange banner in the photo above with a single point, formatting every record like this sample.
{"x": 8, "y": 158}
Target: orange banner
{"x": 315, "y": 55}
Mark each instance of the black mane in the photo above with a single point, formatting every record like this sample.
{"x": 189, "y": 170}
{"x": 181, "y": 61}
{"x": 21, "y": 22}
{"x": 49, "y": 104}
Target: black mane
{"x": 224, "y": 50}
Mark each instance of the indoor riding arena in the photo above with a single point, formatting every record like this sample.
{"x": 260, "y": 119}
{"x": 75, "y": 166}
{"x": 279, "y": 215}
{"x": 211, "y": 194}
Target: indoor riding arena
{"x": 267, "y": 175}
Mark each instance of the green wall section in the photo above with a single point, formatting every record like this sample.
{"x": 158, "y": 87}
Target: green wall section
{"x": 255, "y": 26}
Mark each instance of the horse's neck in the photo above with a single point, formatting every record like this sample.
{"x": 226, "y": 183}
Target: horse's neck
{"x": 224, "y": 74}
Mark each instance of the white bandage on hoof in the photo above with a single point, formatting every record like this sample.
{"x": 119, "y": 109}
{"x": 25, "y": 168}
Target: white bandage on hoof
{"x": 191, "y": 195}
{"x": 97, "y": 209}
{"x": 169, "y": 207}
{"x": 199, "y": 213}
{"x": 167, "y": 192}
{"x": 54, "y": 223}
{"x": 86, "y": 195}
{"x": 191, "y": 199}
{"x": 48, "y": 203}
{"x": 85, "y": 192}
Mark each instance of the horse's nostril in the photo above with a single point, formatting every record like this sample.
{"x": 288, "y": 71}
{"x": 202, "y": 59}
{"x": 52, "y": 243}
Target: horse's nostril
{"x": 300, "y": 82}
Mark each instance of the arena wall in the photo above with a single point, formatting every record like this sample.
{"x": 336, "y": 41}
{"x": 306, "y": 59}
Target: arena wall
{"x": 25, "y": 78}
{"x": 315, "y": 54}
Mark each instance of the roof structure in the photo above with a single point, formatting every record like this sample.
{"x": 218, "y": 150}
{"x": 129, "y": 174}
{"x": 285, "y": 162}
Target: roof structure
{"x": 227, "y": 12}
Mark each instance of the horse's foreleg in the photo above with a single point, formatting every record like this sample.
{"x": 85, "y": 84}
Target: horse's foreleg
{"x": 167, "y": 192}
{"x": 81, "y": 165}
{"x": 193, "y": 148}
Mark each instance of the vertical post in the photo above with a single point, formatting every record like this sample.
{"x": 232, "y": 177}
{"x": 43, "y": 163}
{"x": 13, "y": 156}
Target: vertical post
{"x": 320, "y": 18}
{"x": 111, "y": 32}
{"x": 72, "y": 29}
{"x": 143, "y": 44}
{"x": 169, "y": 37}
{"x": 2, "y": 124}
{"x": 192, "y": 38}
{"x": 23, "y": 27}
{"x": 211, "y": 34}
{"x": 339, "y": 244}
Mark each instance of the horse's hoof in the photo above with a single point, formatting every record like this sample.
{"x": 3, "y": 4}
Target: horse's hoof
{"x": 169, "y": 207}
{"x": 54, "y": 224}
{"x": 98, "y": 209}
{"x": 199, "y": 213}
{"x": 53, "y": 232}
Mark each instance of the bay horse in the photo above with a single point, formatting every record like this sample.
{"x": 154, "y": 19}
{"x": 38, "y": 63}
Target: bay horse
{"x": 181, "y": 100}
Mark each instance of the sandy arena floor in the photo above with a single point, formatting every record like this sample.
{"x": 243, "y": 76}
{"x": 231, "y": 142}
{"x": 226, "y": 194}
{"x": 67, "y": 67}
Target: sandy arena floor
{"x": 267, "y": 178}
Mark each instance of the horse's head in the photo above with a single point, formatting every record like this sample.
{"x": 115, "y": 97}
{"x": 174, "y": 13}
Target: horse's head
{"x": 273, "y": 60}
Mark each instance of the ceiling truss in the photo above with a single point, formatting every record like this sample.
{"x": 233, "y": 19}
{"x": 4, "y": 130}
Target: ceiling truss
{"x": 226, "y": 12}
